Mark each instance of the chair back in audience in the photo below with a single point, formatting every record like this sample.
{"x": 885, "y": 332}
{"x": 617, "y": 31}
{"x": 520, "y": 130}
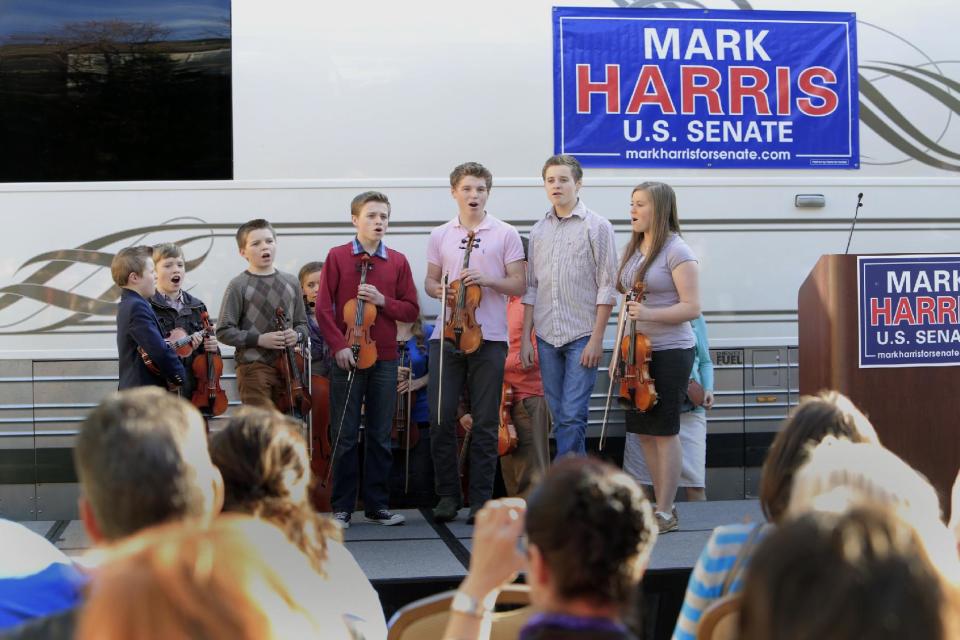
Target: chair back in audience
{"x": 720, "y": 619}
{"x": 427, "y": 617}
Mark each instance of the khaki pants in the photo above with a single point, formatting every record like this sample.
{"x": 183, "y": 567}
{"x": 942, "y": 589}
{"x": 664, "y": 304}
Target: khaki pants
{"x": 258, "y": 384}
{"x": 524, "y": 468}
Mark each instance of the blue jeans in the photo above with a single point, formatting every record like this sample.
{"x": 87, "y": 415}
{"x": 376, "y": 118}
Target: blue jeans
{"x": 567, "y": 385}
{"x": 378, "y": 386}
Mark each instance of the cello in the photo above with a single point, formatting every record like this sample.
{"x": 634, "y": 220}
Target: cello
{"x": 209, "y": 396}
{"x": 629, "y": 365}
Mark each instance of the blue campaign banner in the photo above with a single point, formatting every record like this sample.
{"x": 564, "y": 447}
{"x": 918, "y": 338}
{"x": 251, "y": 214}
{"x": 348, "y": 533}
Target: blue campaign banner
{"x": 706, "y": 88}
{"x": 908, "y": 310}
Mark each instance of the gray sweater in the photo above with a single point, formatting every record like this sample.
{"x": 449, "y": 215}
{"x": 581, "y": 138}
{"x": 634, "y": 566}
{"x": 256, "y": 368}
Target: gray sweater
{"x": 249, "y": 309}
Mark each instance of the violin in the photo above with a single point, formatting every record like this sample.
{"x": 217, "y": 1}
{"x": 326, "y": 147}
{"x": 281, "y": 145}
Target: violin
{"x": 462, "y": 329}
{"x": 629, "y": 365}
{"x": 295, "y": 397}
{"x": 405, "y": 433}
{"x": 507, "y": 432}
{"x": 172, "y": 385}
{"x": 359, "y": 316}
{"x": 181, "y": 342}
{"x": 209, "y": 396}
{"x": 637, "y": 390}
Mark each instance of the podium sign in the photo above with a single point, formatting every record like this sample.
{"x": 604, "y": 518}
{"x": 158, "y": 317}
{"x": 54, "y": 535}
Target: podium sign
{"x": 908, "y": 310}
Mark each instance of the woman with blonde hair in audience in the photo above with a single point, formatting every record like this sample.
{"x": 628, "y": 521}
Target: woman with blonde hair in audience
{"x": 719, "y": 569}
{"x": 238, "y": 578}
{"x": 266, "y": 473}
{"x": 864, "y": 572}
{"x": 840, "y": 474}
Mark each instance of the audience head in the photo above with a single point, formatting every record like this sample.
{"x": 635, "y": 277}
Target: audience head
{"x": 592, "y": 530}
{"x": 838, "y": 472}
{"x": 827, "y": 414}
{"x": 237, "y": 578}
{"x": 142, "y": 459}
{"x": 864, "y": 573}
{"x": 266, "y": 473}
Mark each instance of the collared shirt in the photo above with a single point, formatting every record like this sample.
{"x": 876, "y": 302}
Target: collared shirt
{"x": 177, "y": 302}
{"x": 572, "y": 268}
{"x": 381, "y": 251}
{"x": 496, "y": 244}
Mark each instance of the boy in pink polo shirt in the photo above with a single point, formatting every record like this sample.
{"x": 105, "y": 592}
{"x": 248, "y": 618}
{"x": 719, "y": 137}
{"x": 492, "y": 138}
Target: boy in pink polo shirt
{"x": 496, "y": 265}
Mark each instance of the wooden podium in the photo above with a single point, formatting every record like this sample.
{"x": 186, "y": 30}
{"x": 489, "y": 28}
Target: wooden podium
{"x": 916, "y": 410}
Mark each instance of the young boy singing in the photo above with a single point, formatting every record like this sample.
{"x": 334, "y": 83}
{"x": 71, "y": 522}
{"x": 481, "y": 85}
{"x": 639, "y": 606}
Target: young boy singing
{"x": 177, "y": 309}
{"x": 248, "y": 315}
{"x": 571, "y": 289}
{"x": 496, "y": 266}
{"x": 389, "y": 287}
{"x": 138, "y": 331}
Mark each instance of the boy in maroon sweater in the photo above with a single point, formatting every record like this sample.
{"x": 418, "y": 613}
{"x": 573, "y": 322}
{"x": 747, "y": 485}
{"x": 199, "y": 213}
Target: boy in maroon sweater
{"x": 389, "y": 286}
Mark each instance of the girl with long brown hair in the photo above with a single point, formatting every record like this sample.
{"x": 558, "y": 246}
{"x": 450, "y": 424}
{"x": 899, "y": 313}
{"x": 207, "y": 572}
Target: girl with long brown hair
{"x": 659, "y": 258}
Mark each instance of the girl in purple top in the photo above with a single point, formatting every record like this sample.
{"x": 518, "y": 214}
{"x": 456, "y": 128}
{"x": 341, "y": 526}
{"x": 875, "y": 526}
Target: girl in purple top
{"x": 658, "y": 257}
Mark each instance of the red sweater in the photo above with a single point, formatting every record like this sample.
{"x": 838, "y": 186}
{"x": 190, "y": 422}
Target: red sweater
{"x": 338, "y": 284}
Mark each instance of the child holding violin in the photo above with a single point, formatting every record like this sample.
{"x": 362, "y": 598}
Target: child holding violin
{"x": 180, "y": 314}
{"x": 139, "y": 338}
{"x": 659, "y": 259}
{"x": 411, "y": 428}
{"x": 249, "y": 316}
{"x": 321, "y": 360}
{"x": 321, "y": 363}
{"x": 480, "y": 256}
{"x": 364, "y": 279}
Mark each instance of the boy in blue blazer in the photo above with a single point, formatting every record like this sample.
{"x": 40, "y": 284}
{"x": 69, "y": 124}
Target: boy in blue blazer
{"x": 138, "y": 332}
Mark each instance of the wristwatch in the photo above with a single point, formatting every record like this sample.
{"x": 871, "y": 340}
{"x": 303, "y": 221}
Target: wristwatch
{"x": 468, "y": 605}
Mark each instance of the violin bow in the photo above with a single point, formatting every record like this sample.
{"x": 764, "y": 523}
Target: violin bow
{"x": 612, "y": 367}
{"x": 308, "y": 372}
{"x": 406, "y": 463}
{"x": 443, "y": 320}
{"x": 346, "y": 403}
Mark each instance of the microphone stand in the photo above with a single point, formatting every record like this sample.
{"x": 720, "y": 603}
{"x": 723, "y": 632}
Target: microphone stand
{"x": 854, "y": 223}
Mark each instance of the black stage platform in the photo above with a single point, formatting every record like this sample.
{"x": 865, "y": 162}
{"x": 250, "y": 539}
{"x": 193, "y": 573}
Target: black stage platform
{"x": 420, "y": 557}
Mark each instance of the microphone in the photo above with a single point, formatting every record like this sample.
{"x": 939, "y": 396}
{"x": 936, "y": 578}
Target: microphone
{"x": 854, "y": 223}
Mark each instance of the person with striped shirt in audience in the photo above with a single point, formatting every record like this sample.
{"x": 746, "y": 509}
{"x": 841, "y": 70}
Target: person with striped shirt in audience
{"x": 571, "y": 289}
{"x": 720, "y": 568}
